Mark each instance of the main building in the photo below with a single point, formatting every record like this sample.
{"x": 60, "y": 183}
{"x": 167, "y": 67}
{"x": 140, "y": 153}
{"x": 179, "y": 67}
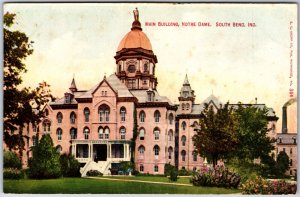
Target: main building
{"x": 97, "y": 125}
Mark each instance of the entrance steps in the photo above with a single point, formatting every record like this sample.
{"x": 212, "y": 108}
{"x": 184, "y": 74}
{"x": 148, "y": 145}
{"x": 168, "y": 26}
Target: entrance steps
{"x": 101, "y": 166}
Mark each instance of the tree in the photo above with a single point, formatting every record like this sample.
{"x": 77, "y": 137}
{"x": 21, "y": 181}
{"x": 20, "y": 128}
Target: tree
{"x": 282, "y": 163}
{"x": 252, "y": 134}
{"x": 45, "y": 161}
{"x": 217, "y": 133}
{"x": 21, "y": 105}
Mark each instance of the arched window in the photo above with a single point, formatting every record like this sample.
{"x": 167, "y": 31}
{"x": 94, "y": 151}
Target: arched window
{"x": 183, "y": 125}
{"x": 123, "y": 113}
{"x": 195, "y": 124}
{"x": 194, "y": 156}
{"x": 106, "y": 132}
{"x": 156, "y": 116}
{"x": 145, "y": 67}
{"x": 170, "y": 151}
{"x": 101, "y": 132}
{"x": 122, "y": 132}
{"x": 86, "y": 132}
{"x": 170, "y": 135}
{"x": 183, "y": 140}
{"x": 142, "y": 116}
{"x": 156, "y": 150}
{"x": 72, "y": 117}
{"x": 183, "y": 106}
{"x": 104, "y": 113}
{"x": 142, "y": 134}
{"x": 156, "y": 133}
{"x": 141, "y": 151}
{"x": 46, "y": 112}
{"x": 47, "y": 126}
{"x": 183, "y": 153}
{"x": 59, "y": 149}
{"x": 59, "y": 117}
{"x": 86, "y": 112}
{"x": 34, "y": 140}
{"x": 73, "y": 133}
{"x": 187, "y": 106}
{"x": 171, "y": 117}
{"x": 59, "y": 133}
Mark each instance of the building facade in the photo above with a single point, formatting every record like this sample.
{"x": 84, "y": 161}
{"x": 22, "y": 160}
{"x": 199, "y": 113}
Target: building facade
{"x": 97, "y": 125}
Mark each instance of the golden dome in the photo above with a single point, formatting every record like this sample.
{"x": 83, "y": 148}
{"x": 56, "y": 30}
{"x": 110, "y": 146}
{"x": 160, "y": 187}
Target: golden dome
{"x": 135, "y": 39}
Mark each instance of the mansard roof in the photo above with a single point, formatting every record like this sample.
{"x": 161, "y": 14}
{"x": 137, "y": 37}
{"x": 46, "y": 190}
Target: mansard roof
{"x": 141, "y": 95}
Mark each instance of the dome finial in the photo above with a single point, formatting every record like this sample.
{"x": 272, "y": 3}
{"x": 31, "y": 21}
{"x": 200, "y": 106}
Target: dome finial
{"x": 136, "y": 14}
{"x": 136, "y": 23}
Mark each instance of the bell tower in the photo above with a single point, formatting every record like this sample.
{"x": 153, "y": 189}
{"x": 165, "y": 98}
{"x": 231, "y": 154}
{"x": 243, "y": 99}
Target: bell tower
{"x": 135, "y": 60}
{"x": 186, "y": 97}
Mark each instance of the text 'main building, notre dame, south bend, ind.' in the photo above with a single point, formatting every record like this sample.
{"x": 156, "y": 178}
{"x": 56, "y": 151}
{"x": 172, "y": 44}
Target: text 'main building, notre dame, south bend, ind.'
{"x": 97, "y": 125}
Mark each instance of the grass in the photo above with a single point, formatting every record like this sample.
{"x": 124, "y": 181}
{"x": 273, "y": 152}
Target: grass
{"x": 183, "y": 180}
{"x": 92, "y": 186}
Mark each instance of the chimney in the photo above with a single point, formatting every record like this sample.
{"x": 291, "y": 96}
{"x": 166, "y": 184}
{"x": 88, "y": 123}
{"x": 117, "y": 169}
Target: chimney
{"x": 284, "y": 120}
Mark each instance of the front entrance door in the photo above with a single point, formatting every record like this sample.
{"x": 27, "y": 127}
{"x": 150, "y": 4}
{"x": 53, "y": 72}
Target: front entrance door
{"x": 101, "y": 152}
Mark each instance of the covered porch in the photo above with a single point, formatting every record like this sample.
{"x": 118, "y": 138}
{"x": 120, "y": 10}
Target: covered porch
{"x": 100, "y": 150}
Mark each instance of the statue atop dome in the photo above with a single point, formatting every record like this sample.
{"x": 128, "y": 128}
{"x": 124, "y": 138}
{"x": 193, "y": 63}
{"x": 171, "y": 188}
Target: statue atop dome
{"x": 136, "y": 14}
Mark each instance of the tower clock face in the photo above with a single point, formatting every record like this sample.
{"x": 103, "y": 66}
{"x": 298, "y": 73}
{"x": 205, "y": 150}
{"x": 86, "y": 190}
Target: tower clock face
{"x": 131, "y": 68}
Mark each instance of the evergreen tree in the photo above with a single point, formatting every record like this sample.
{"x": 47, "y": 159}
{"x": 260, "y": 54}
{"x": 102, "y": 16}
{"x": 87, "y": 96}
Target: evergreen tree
{"x": 282, "y": 163}
{"x": 45, "y": 162}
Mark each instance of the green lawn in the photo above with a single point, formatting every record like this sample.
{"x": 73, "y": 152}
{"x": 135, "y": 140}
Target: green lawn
{"x": 82, "y": 185}
{"x": 183, "y": 180}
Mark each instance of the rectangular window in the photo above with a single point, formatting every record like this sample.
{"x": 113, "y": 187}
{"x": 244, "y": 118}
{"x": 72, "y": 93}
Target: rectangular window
{"x": 155, "y": 168}
{"x": 131, "y": 84}
{"x": 156, "y": 134}
{"x": 101, "y": 116}
{"x": 291, "y": 151}
{"x": 141, "y": 168}
{"x": 195, "y": 157}
{"x": 106, "y": 116}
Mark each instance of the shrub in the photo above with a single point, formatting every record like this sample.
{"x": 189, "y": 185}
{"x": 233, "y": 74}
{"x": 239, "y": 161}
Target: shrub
{"x": 262, "y": 186}
{"x": 94, "y": 173}
{"x": 184, "y": 172}
{"x": 135, "y": 172}
{"x": 44, "y": 163}
{"x": 217, "y": 177}
{"x": 173, "y": 174}
{"x": 70, "y": 167}
{"x": 12, "y": 173}
{"x": 11, "y": 160}
{"x": 168, "y": 168}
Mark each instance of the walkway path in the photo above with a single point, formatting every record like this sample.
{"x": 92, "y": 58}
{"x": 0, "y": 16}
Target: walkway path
{"x": 139, "y": 181}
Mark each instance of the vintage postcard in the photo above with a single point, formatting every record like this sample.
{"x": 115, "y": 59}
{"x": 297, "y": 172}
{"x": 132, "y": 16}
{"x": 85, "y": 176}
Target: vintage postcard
{"x": 150, "y": 98}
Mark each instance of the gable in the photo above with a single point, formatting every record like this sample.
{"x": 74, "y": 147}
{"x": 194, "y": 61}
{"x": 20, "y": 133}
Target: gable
{"x": 104, "y": 89}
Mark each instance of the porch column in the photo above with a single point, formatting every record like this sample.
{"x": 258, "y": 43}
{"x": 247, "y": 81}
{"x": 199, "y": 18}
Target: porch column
{"x": 92, "y": 153}
{"x": 125, "y": 152}
{"x": 89, "y": 150}
{"x": 74, "y": 149}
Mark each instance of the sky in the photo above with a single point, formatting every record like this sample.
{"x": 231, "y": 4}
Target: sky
{"x": 234, "y": 63}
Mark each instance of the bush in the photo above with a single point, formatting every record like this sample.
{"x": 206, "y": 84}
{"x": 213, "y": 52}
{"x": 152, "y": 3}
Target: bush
{"x": 184, "y": 172}
{"x": 135, "y": 172}
{"x": 70, "y": 167}
{"x": 168, "y": 168}
{"x": 12, "y": 173}
{"x": 218, "y": 177}
{"x": 44, "y": 163}
{"x": 94, "y": 173}
{"x": 11, "y": 160}
{"x": 173, "y": 175}
{"x": 262, "y": 186}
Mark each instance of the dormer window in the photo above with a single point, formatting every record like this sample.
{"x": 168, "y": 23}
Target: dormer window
{"x": 67, "y": 98}
{"x": 150, "y": 96}
{"x": 131, "y": 68}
